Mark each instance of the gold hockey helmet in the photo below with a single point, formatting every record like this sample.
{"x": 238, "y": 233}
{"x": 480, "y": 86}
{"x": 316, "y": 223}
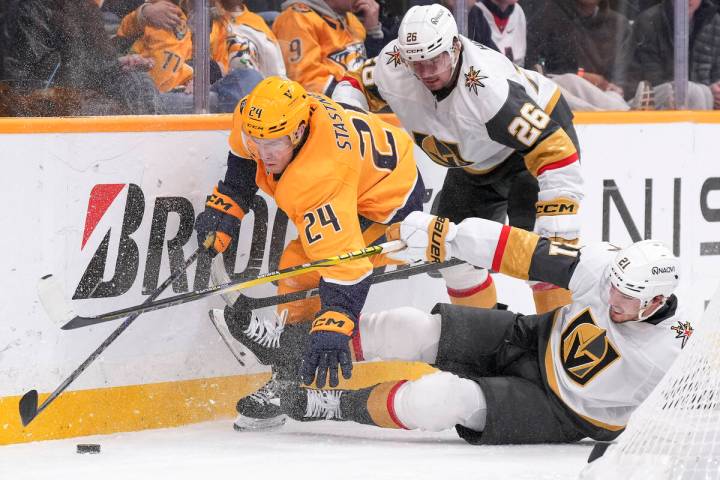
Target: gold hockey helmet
{"x": 275, "y": 107}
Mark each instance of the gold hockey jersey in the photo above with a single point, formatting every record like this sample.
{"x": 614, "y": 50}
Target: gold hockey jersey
{"x": 318, "y": 45}
{"x": 171, "y": 50}
{"x": 351, "y": 164}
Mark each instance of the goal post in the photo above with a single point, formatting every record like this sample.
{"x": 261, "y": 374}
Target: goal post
{"x": 675, "y": 433}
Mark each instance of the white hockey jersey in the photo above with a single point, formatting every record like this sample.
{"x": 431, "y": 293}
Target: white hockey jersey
{"x": 511, "y": 40}
{"x": 251, "y": 44}
{"x": 600, "y": 369}
{"x": 495, "y": 109}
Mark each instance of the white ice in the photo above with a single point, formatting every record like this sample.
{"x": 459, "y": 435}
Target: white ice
{"x": 296, "y": 451}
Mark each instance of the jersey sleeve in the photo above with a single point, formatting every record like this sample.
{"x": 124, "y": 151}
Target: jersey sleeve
{"x": 515, "y": 252}
{"x": 363, "y": 80}
{"x": 524, "y": 126}
{"x": 130, "y": 25}
{"x": 239, "y": 183}
{"x": 301, "y": 49}
{"x": 549, "y": 154}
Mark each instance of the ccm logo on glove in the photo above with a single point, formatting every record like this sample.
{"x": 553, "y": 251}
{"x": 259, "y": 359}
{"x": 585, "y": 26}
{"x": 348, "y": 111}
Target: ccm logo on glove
{"x": 331, "y": 321}
{"x": 222, "y": 202}
{"x": 557, "y": 206}
{"x": 436, "y": 248}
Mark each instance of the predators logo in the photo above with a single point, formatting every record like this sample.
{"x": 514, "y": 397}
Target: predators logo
{"x": 586, "y": 350}
{"x": 351, "y": 57}
{"x": 242, "y": 52}
{"x": 443, "y": 153}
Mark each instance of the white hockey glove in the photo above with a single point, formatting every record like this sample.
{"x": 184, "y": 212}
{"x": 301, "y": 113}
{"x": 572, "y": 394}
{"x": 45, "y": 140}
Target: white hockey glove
{"x": 427, "y": 237}
{"x": 558, "y": 218}
{"x": 346, "y": 92}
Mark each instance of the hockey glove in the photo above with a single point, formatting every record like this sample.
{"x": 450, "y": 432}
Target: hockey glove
{"x": 328, "y": 349}
{"x": 427, "y": 237}
{"x": 220, "y": 219}
{"x": 558, "y": 217}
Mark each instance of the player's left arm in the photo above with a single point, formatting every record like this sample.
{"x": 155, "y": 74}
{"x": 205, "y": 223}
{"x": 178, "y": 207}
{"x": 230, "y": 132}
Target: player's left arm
{"x": 488, "y": 244}
{"x": 327, "y": 228}
{"x": 549, "y": 154}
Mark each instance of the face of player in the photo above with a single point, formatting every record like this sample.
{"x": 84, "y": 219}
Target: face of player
{"x": 623, "y": 308}
{"x": 275, "y": 153}
{"x": 434, "y": 73}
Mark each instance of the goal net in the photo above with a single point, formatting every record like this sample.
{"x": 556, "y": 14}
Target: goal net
{"x": 675, "y": 433}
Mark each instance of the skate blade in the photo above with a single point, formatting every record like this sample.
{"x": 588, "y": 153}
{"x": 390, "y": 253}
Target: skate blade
{"x": 248, "y": 424}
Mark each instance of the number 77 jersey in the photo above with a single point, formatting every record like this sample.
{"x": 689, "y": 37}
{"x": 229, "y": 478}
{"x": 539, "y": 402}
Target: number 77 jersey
{"x": 351, "y": 164}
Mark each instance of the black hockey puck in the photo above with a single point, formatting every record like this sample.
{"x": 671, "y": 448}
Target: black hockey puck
{"x": 88, "y": 448}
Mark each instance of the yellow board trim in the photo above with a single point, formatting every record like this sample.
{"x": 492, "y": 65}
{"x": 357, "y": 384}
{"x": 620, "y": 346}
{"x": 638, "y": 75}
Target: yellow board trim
{"x": 162, "y": 405}
{"x": 223, "y": 121}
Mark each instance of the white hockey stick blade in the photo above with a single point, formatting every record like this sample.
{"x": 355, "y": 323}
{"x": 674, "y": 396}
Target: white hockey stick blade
{"x": 50, "y": 293}
{"x": 218, "y": 320}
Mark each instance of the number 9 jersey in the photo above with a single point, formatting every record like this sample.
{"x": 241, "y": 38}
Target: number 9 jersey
{"x": 350, "y": 167}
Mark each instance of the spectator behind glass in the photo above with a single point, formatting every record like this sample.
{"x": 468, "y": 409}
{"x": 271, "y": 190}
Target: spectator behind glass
{"x": 160, "y": 31}
{"x": 578, "y": 41}
{"x": 58, "y": 61}
{"x": 246, "y": 50}
{"x": 322, "y": 39}
{"x": 653, "y": 54}
{"x": 504, "y": 20}
{"x": 249, "y": 42}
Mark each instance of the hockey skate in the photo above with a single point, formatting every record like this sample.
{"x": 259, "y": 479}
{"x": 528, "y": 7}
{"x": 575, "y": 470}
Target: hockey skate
{"x": 309, "y": 404}
{"x": 245, "y": 330}
{"x": 261, "y": 410}
{"x": 269, "y": 340}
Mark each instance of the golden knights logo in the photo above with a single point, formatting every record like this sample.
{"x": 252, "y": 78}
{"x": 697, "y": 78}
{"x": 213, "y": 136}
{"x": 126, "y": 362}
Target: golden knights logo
{"x": 473, "y": 80}
{"x": 393, "y": 57}
{"x": 446, "y": 154}
{"x": 683, "y": 330}
{"x": 586, "y": 350}
{"x": 351, "y": 57}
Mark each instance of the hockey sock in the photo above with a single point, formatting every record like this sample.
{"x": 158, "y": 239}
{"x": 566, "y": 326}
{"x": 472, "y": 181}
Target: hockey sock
{"x": 548, "y": 297}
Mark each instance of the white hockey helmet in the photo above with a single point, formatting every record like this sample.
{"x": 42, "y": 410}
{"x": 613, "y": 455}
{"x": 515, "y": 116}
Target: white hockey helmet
{"x": 425, "y": 32}
{"x": 645, "y": 270}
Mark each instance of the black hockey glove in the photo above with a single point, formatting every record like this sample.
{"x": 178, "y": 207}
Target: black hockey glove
{"x": 328, "y": 349}
{"x": 220, "y": 219}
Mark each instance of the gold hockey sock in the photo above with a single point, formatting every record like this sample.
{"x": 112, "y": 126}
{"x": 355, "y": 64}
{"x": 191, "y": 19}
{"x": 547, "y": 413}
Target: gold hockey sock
{"x": 548, "y": 297}
{"x": 482, "y": 296}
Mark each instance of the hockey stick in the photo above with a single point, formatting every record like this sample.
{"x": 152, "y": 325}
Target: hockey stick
{"x": 29, "y": 402}
{"x": 80, "y": 321}
{"x": 254, "y": 303}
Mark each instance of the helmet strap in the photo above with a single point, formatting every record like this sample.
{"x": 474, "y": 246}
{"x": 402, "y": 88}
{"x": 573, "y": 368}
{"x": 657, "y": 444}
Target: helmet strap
{"x": 643, "y": 314}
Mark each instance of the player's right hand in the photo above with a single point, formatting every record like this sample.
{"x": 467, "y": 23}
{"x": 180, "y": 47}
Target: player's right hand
{"x": 220, "y": 220}
{"x": 427, "y": 238}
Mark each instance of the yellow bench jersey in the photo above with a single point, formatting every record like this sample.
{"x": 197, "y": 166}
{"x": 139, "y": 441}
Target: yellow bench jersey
{"x": 318, "y": 45}
{"x": 171, "y": 50}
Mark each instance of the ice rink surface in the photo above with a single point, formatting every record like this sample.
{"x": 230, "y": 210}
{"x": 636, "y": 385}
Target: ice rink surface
{"x": 296, "y": 451}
